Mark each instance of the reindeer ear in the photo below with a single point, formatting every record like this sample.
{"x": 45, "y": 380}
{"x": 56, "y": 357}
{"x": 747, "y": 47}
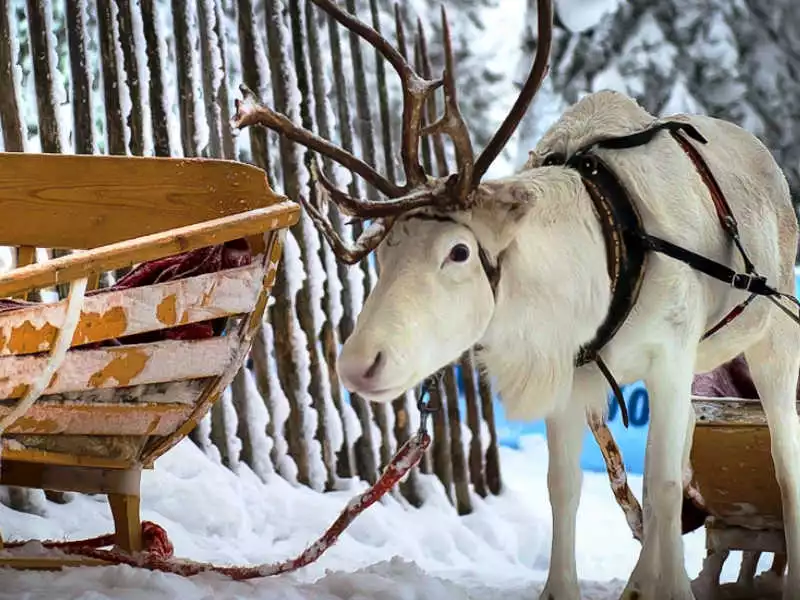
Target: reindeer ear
{"x": 507, "y": 196}
{"x": 501, "y": 210}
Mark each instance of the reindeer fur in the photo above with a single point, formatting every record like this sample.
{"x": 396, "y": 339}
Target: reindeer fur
{"x": 554, "y": 293}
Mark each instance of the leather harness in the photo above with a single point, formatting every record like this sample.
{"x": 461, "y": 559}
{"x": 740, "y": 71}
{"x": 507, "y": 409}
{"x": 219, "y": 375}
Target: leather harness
{"x": 627, "y": 244}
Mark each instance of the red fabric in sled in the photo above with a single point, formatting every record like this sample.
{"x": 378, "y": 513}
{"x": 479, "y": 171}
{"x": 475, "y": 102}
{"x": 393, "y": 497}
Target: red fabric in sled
{"x": 211, "y": 259}
{"x": 729, "y": 380}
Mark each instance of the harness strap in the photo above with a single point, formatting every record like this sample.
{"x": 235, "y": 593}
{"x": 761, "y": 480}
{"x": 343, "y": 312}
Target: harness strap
{"x": 727, "y": 220}
{"x": 724, "y": 212}
{"x": 643, "y": 137}
{"x": 615, "y": 388}
{"x": 748, "y": 282}
{"x": 735, "y": 312}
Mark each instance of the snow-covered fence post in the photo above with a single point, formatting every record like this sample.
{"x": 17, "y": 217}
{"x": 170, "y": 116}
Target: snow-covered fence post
{"x": 42, "y": 53}
{"x": 10, "y": 115}
{"x": 240, "y": 400}
{"x": 329, "y": 424}
{"x": 212, "y": 67}
{"x": 130, "y": 52}
{"x": 220, "y": 31}
{"x": 442, "y": 461}
{"x": 297, "y": 296}
{"x": 259, "y": 149}
{"x": 110, "y": 65}
{"x": 337, "y": 283}
{"x": 263, "y": 365}
{"x": 82, "y": 131}
{"x": 493, "y": 479}
{"x": 264, "y": 353}
{"x": 365, "y": 461}
{"x": 463, "y": 502}
{"x": 475, "y": 456}
{"x": 157, "y": 99}
{"x": 184, "y": 62}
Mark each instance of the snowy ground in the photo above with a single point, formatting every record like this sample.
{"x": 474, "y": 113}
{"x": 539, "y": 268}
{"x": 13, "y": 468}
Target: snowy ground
{"x": 211, "y": 514}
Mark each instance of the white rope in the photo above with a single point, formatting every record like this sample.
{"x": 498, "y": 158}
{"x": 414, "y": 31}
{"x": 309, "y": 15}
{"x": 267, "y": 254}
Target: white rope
{"x": 58, "y": 352}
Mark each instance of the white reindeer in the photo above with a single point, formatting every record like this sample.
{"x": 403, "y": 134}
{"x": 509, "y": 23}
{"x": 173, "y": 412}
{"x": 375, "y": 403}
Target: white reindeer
{"x": 518, "y": 266}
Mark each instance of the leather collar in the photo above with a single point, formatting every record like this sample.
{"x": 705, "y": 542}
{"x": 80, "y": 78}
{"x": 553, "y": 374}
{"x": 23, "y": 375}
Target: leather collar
{"x": 625, "y": 254}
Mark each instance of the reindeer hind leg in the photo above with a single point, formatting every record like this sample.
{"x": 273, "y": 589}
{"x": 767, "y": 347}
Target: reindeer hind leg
{"x": 774, "y": 364}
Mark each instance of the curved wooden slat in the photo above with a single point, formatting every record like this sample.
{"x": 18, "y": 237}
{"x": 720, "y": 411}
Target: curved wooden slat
{"x": 119, "y": 313}
{"x": 99, "y": 419}
{"x": 121, "y": 366}
{"x": 149, "y": 247}
{"x": 169, "y": 392}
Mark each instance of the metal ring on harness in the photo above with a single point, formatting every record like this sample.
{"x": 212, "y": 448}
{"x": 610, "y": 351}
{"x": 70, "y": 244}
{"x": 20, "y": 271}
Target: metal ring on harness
{"x": 425, "y": 409}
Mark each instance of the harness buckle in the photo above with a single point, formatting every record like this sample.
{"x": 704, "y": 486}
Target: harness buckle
{"x": 746, "y": 281}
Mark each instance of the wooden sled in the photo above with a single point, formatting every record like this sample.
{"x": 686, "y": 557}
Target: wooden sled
{"x": 735, "y": 477}
{"x": 129, "y": 385}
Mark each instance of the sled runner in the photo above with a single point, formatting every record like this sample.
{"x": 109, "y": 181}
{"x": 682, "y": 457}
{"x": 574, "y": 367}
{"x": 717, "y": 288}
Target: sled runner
{"x": 95, "y": 387}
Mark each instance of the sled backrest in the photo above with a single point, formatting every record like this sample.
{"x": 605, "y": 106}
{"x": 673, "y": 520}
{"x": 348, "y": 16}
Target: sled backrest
{"x": 76, "y": 202}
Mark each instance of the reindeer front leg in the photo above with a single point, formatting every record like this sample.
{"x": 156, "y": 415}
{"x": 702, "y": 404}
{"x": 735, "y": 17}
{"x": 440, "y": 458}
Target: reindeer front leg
{"x": 564, "y": 478}
{"x": 660, "y": 572}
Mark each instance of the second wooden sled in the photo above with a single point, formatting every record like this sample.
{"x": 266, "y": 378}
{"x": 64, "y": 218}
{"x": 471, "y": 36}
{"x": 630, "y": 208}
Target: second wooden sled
{"x": 130, "y": 385}
{"x": 733, "y": 472}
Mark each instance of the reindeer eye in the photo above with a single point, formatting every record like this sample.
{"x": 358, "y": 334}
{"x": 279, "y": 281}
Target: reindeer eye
{"x": 555, "y": 158}
{"x": 459, "y": 253}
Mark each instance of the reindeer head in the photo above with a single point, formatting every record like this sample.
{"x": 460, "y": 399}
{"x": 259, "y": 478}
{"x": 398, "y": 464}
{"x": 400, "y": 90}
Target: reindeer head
{"x": 438, "y": 239}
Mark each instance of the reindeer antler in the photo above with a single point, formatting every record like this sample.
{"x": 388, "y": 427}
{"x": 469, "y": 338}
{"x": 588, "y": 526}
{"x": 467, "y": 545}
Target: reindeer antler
{"x": 538, "y": 72}
{"x": 419, "y": 189}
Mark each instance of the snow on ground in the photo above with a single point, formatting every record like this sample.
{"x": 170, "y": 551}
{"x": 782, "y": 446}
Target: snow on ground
{"x": 211, "y": 514}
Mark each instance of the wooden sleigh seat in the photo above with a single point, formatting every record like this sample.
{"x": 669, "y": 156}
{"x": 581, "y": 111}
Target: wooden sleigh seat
{"x": 733, "y": 472}
{"x": 150, "y": 355}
